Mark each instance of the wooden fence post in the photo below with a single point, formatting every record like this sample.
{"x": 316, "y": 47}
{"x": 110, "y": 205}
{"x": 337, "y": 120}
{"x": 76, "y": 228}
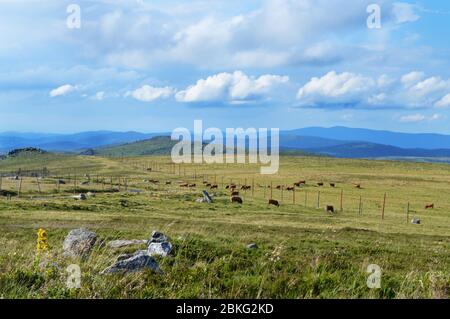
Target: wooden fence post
{"x": 253, "y": 188}
{"x": 342, "y": 200}
{"x": 407, "y": 214}
{"x": 384, "y": 206}
{"x": 293, "y": 196}
{"x": 265, "y": 188}
{"x": 271, "y": 190}
{"x": 39, "y": 185}
{"x": 318, "y": 199}
{"x": 306, "y": 198}
{"x": 360, "y": 205}
{"x": 20, "y": 187}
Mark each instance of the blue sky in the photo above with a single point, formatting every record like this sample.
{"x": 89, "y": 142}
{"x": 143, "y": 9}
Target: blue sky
{"x": 156, "y": 65}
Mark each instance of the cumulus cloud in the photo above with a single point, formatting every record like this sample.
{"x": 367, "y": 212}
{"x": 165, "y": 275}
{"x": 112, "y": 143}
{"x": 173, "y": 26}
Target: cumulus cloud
{"x": 332, "y": 88}
{"x": 412, "y": 78}
{"x": 62, "y": 90}
{"x": 149, "y": 93}
{"x": 444, "y": 102}
{"x": 273, "y": 33}
{"x": 231, "y": 87}
{"x": 346, "y": 89}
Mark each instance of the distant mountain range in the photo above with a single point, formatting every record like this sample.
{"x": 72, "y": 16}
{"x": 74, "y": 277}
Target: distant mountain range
{"x": 68, "y": 142}
{"x": 335, "y": 141}
{"x": 403, "y": 140}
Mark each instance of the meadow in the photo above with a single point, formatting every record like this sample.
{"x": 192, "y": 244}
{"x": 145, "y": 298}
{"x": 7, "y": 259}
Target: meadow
{"x": 302, "y": 250}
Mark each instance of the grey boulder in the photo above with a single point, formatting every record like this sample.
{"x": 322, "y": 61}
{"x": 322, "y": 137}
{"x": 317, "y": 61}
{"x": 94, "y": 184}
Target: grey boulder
{"x": 79, "y": 243}
{"x": 124, "y": 243}
{"x": 159, "y": 245}
{"x": 132, "y": 263}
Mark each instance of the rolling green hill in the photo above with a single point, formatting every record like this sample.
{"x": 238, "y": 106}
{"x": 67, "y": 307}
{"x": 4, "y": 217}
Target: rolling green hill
{"x": 159, "y": 145}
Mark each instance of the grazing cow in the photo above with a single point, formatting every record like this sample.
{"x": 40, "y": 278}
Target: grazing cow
{"x": 291, "y": 188}
{"x": 214, "y": 186}
{"x": 236, "y": 199}
{"x": 274, "y": 202}
{"x": 319, "y": 184}
{"x": 332, "y": 185}
{"x": 279, "y": 187}
{"x": 227, "y": 187}
{"x": 168, "y": 183}
{"x": 192, "y": 185}
{"x": 184, "y": 185}
{"x": 235, "y": 193}
{"x": 330, "y": 209}
{"x": 208, "y": 185}
{"x": 429, "y": 206}
{"x": 300, "y": 183}
{"x": 245, "y": 187}
{"x": 358, "y": 186}
{"x": 205, "y": 182}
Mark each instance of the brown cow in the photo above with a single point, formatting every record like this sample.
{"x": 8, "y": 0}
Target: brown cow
{"x": 168, "y": 183}
{"x": 279, "y": 187}
{"x": 429, "y": 206}
{"x": 358, "y": 186}
{"x": 320, "y": 184}
{"x": 214, "y": 186}
{"x": 235, "y": 193}
{"x": 192, "y": 185}
{"x": 290, "y": 188}
{"x": 184, "y": 185}
{"x": 332, "y": 185}
{"x": 236, "y": 199}
{"x": 274, "y": 202}
{"x": 330, "y": 209}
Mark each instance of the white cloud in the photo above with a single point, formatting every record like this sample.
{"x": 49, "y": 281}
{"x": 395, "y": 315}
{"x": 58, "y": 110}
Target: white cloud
{"x": 412, "y": 118}
{"x": 444, "y": 102}
{"x": 347, "y": 89}
{"x": 149, "y": 93}
{"x": 415, "y": 118}
{"x": 412, "y": 78}
{"x": 429, "y": 85}
{"x": 231, "y": 87}
{"x": 404, "y": 12}
{"x": 62, "y": 90}
{"x": 269, "y": 34}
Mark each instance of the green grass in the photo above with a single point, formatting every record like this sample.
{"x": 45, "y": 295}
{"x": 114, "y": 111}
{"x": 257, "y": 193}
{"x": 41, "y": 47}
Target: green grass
{"x": 303, "y": 252}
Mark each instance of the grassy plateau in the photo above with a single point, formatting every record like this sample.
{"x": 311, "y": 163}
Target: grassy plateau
{"x": 303, "y": 251}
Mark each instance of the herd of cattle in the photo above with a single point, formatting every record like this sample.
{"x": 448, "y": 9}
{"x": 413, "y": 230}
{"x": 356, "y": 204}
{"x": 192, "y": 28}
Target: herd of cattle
{"x": 235, "y": 197}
